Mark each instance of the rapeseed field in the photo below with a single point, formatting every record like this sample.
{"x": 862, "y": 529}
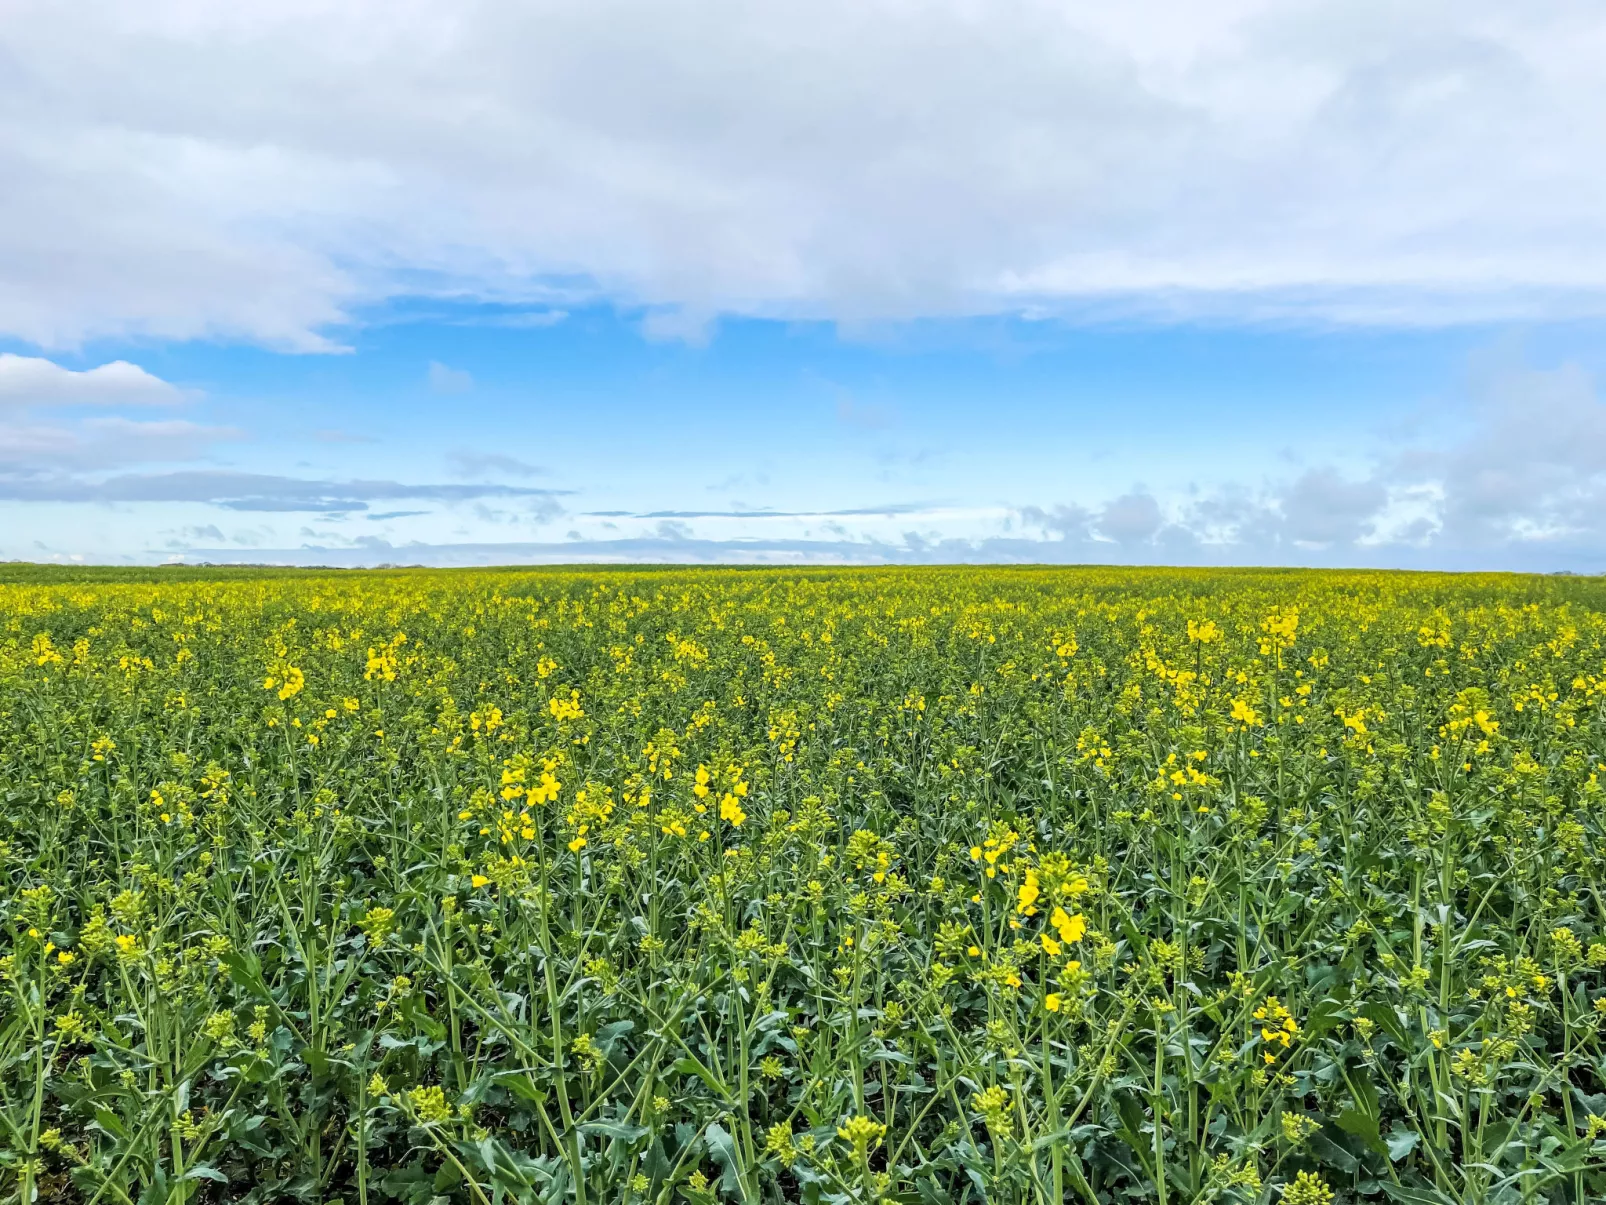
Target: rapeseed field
{"x": 936, "y": 886}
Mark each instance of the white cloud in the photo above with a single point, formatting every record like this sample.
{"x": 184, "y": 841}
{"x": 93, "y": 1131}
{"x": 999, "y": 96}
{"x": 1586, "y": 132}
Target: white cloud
{"x": 1532, "y": 464}
{"x": 528, "y": 321}
{"x": 258, "y": 170}
{"x": 1321, "y": 507}
{"x": 448, "y": 380}
{"x": 1130, "y": 518}
{"x": 104, "y": 442}
{"x": 465, "y": 462}
{"x": 31, "y": 386}
{"x": 1512, "y": 474}
{"x": 693, "y": 325}
{"x": 33, "y": 381}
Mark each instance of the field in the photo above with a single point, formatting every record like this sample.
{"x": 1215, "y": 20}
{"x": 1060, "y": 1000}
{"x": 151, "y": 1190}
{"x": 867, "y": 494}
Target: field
{"x": 934, "y": 886}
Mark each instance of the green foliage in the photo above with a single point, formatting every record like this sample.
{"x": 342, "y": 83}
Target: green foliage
{"x": 919, "y": 885}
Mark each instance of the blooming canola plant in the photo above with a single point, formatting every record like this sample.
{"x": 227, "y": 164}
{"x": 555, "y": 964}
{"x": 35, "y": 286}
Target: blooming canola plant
{"x": 929, "y": 885}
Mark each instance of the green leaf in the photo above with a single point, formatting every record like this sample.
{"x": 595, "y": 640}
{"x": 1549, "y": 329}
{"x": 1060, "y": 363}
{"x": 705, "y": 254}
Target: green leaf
{"x": 1411, "y": 1195}
{"x": 1324, "y": 1016}
{"x": 1362, "y": 1126}
{"x": 109, "y": 1123}
{"x": 655, "y": 1162}
{"x": 246, "y": 972}
{"x": 1056, "y": 1137}
{"x": 507, "y": 1167}
{"x": 1385, "y": 1016}
{"x": 722, "y": 1149}
{"x": 1330, "y": 1153}
{"x": 691, "y": 1066}
{"x": 414, "y": 1010}
{"x": 1401, "y": 1142}
{"x": 518, "y": 1083}
{"x": 621, "y": 1131}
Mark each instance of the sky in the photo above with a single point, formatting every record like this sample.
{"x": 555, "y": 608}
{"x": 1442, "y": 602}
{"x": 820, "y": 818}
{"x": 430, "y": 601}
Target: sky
{"x": 882, "y": 281}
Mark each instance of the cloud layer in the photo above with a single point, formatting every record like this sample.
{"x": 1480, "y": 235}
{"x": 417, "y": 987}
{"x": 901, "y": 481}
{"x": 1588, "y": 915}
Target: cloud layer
{"x": 246, "y": 491}
{"x": 1512, "y": 475}
{"x": 1512, "y": 472}
{"x": 35, "y": 381}
{"x": 57, "y": 419}
{"x": 264, "y": 171}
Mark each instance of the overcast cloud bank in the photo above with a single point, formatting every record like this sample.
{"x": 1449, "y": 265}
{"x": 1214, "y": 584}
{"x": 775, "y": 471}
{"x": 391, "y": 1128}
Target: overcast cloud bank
{"x": 264, "y": 171}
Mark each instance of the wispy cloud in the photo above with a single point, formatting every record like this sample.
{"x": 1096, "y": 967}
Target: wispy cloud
{"x": 105, "y": 441}
{"x": 335, "y": 435}
{"x": 667, "y": 547}
{"x": 525, "y": 320}
{"x": 895, "y": 508}
{"x": 864, "y": 416}
{"x": 673, "y": 549}
{"x": 247, "y": 491}
{"x": 448, "y": 380}
{"x": 466, "y": 463}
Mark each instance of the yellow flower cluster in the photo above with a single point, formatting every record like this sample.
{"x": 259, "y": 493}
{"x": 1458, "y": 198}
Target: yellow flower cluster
{"x": 769, "y": 884}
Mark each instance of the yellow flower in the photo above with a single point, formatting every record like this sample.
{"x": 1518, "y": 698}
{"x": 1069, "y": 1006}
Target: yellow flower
{"x": 292, "y": 684}
{"x": 566, "y": 709}
{"x": 1307, "y": 1188}
{"x": 1052, "y": 1002}
{"x": 1028, "y": 894}
{"x": 478, "y": 880}
{"x": 1050, "y": 946}
{"x": 862, "y": 1132}
{"x": 1071, "y": 928}
{"x": 430, "y": 1105}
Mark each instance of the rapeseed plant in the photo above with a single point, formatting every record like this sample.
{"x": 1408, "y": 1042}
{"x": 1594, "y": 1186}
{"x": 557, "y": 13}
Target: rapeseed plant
{"x": 776, "y": 885}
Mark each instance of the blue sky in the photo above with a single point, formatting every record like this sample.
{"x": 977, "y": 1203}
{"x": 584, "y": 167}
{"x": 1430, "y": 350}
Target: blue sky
{"x": 1229, "y": 283}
